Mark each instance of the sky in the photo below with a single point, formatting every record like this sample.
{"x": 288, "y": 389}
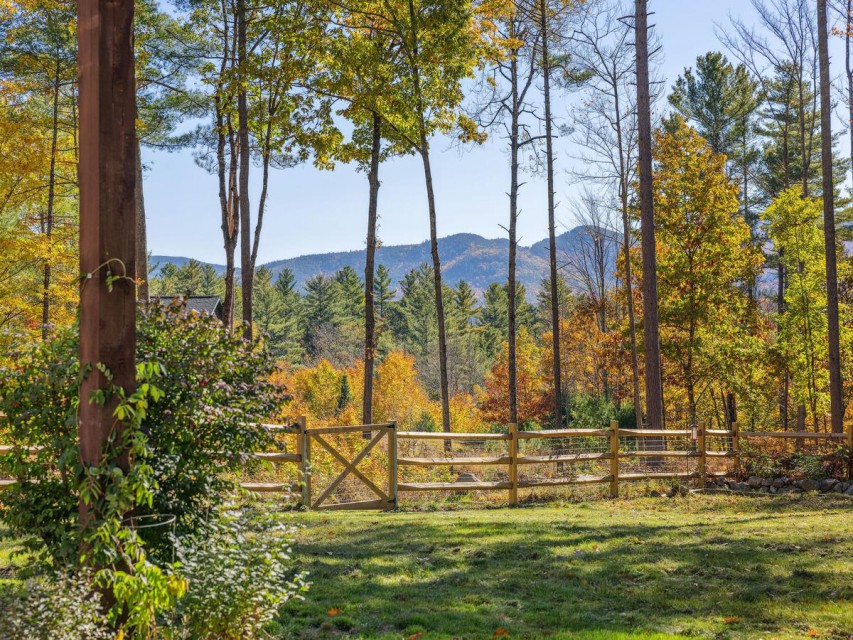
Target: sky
{"x": 313, "y": 211}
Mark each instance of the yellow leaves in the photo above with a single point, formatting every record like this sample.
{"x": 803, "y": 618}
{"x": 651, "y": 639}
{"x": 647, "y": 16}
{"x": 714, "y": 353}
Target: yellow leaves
{"x": 470, "y": 132}
{"x": 531, "y": 383}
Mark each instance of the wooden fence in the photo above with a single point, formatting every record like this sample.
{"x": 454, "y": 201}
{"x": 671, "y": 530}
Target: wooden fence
{"x": 616, "y": 448}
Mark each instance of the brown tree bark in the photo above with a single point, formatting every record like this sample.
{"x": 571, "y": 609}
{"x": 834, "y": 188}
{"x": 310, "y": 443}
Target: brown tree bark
{"x": 512, "y": 357}
{"x": 142, "y": 289}
{"x": 226, "y": 145}
{"x": 246, "y": 272}
{"x": 369, "y": 272}
{"x": 47, "y": 221}
{"x": 552, "y": 232}
{"x": 651, "y": 339}
{"x": 423, "y": 150}
{"x": 107, "y": 175}
{"x": 835, "y": 382}
{"x": 848, "y": 69}
{"x": 439, "y": 288}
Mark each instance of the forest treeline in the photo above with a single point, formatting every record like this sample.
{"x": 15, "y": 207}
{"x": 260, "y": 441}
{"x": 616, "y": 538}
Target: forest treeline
{"x": 701, "y": 193}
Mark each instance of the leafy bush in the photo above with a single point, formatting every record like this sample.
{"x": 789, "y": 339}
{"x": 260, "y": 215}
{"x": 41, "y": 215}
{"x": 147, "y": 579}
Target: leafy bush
{"x": 53, "y": 608}
{"x": 205, "y": 421}
{"x": 591, "y": 412}
{"x": 240, "y": 571}
{"x": 216, "y": 395}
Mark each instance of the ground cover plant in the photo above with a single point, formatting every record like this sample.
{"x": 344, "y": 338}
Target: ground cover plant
{"x": 706, "y": 566}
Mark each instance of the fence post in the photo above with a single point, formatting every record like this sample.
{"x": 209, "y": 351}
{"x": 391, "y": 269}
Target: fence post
{"x": 614, "y": 459}
{"x": 513, "y": 464}
{"x": 703, "y": 459}
{"x": 305, "y": 442}
{"x": 736, "y": 438}
{"x": 736, "y": 444}
{"x": 850, "y": 451}
{"x": 392, "y": 463}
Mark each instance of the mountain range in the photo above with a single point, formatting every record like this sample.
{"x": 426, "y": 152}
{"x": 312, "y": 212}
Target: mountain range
{"x": 464, "y": 256}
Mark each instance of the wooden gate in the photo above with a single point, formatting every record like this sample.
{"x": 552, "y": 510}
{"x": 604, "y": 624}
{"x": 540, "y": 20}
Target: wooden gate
{"x": 386, "y": 497}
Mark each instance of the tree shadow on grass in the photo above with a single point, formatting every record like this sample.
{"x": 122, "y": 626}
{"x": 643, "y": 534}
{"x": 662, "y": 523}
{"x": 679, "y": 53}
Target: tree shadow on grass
{"x": 581, "y": 573}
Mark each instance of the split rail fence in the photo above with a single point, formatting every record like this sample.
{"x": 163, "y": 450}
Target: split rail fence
{"x": 618, "y": 450}
{"x": 619, "y": 455}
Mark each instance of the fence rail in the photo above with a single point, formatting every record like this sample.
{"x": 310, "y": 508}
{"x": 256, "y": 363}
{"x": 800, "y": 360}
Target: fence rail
{"x": 621, "y": 446}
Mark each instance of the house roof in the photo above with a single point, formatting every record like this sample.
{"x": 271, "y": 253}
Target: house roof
{"x": 200, "y": 304}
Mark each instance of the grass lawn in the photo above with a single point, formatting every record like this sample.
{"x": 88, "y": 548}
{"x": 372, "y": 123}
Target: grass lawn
{"x": 708, "y": 566}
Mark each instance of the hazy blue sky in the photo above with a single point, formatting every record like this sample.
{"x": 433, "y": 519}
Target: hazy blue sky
{"x": 315, "y": 212}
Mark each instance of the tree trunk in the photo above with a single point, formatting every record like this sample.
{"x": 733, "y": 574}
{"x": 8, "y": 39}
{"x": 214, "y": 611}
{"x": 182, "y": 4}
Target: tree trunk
{"x": 512, "y": 361}
{"x": 47, "y": 222}
{"x": 142, "y": 294}
{"x": 835, "y": 382}
{"x": 654, "y": 389}
{"x": 626, "y": 249}
{"x": 107, "y": 226}
{"x": 848, "y": 67}
{"x": 439, "y": 293}
{"x": 423, "y": 150}
{"x": 246, "y": 272}
{"x": 552, "y": 233}
{"x": 226, "y": 173}
{"x": 632, "y": 323}
{"x": 369, "y": 271}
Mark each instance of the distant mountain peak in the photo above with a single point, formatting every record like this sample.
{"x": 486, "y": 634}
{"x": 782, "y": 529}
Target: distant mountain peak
{"x": 465, "y": 256}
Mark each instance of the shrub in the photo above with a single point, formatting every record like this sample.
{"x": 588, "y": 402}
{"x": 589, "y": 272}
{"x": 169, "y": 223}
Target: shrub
{"x": 240, "y": 571}
{"x": 205, "y": 421}
{"x": 53, "y": 608}
{"x": 591, "y": 412}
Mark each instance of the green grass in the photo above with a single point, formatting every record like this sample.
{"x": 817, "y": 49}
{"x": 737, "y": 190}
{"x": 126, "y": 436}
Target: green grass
{"x": 706, "y": 566}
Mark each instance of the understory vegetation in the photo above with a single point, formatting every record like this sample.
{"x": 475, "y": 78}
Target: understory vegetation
{"x": 153, "y": 548}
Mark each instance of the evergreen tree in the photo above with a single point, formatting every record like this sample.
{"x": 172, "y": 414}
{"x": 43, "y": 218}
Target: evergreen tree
{"x": 464, "y": 304}
{"x": 286, "y": 338}
{"x": 344, "y": 395}
{"x": 322, "y": 308}
{"x": 383, "y": 292}
{"x": 716, "y": 98}
{"x": 493, "y": 315}
{"x": 350, "y": 293}
{"x": 414, "y": 318}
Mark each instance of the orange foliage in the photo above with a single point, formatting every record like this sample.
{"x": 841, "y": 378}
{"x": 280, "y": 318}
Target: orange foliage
{"x": 531, "y": 382}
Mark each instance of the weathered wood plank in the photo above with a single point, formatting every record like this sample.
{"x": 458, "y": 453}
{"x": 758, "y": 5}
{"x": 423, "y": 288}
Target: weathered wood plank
{"x": 349, "y": 429}
{"x": 567, "y": 457}
{"x": 561, "y": 482}
{"x": 659, "y": 454}
{"x": 806, "y": 435}
{"x": 267, "y": 487}
{"x": 461, "y": 462}
{"x": 641, "y": 433}
{"x": 563, "y": 433}
{"x": 453, "y": 486}
{"x": 440, "y": 435}
{"x": 279, "y": 457}
{"x": 362, "y": 505}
